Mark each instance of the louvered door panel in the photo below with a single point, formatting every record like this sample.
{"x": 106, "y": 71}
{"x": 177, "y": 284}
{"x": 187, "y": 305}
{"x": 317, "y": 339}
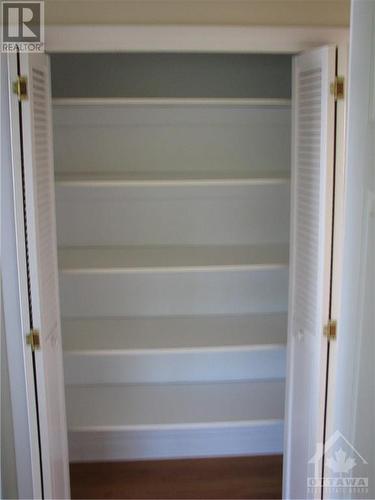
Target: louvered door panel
{"x": 307, "y": 192}
{"x": 43, "y": 182}
{"x": 43, "y": 272}
{"x": 310, "y": 260}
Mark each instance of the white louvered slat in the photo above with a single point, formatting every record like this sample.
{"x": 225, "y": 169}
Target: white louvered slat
{"x": 43, "y": 175}
{"x": 307, "y": 201}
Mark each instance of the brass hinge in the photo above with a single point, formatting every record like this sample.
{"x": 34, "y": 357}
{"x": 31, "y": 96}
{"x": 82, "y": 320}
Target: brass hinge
{"x": 337, "y": 88}
{"x": 20, "y": 88}
{"x": 33, "y": 340}
{"x": 330, "y": 329}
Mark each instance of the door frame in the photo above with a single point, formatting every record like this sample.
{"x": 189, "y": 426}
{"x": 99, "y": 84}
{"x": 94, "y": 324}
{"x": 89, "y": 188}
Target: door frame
{"x": 214, "y": 39}
{"x": 174, "y": 38}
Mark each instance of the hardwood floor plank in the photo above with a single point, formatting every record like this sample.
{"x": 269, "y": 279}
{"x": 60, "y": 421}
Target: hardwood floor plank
{"x": 211, "y": 478}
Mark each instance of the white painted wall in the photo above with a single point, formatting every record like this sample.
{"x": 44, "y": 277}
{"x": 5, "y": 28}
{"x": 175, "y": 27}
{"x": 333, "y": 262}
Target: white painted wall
{"x": 8, "y": 458}
{"x": 351, "y": 393}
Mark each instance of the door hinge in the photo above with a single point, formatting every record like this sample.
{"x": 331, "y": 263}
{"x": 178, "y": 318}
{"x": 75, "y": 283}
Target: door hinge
{"x": 330, "y": 329}
{"x": 20, "y": 88}
{"x": 33, "y": 340}
{"x": 337, "y": 88}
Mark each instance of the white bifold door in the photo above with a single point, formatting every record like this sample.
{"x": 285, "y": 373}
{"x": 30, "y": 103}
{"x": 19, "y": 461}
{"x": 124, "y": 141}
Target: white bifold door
{"x": 310, "y": 262}
{"x": 310, "y": 266}
{"x": 33, "y": 177}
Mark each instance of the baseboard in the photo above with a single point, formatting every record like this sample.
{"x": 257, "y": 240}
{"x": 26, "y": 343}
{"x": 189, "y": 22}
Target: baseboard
{"x": 256, "y": 438}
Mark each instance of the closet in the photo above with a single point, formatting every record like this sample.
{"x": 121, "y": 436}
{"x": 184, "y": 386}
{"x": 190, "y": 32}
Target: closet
{"x": 192, "y": 269}
{"x": 172, "y": 178}
{"x": 191, "y": 273}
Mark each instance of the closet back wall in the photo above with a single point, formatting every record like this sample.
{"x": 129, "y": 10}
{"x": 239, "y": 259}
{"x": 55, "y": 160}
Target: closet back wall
{"x": 142, "y": 138}
{"x": 172, "y": 191}
{"x": 171, "y": 75}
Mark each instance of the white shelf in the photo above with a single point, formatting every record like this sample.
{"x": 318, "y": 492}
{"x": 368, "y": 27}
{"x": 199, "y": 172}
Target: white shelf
{"x": 157, "y": 137}
{"x": 168, "y": 334}
{"x": 169, "y": 292}
{"x": 181, "y": 101}
{"x": 172, "y": 179}
{"x": 100, "y": 212}
{"x": 165, "y": 258}
{"x": 174, "y": 349}
{"x": 131, "y": 422}
{"x": 158, "y": 406}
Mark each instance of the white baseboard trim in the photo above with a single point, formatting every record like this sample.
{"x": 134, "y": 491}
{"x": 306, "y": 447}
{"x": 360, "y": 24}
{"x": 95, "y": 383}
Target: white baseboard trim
{"x": 258, "y": 438}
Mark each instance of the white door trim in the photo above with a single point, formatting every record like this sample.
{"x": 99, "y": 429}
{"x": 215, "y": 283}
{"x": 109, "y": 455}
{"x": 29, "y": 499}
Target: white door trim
{"x": 169, "y": 38}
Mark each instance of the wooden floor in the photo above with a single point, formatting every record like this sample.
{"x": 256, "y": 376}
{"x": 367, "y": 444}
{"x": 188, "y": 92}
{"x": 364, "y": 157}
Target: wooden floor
{"x": 212, "y": 478}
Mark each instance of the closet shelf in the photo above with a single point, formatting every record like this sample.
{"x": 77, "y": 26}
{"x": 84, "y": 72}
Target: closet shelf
{"x": 166, "y": 258}
{"x": 158, "y": 406}
{"x": 174, "y": 349}
{"x": 167, "y": 101}
{"x": 172, "y": 179}
{"x": 177, "y": 333}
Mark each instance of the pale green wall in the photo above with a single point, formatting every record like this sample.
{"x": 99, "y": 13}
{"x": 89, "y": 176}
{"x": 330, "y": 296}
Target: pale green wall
{"x": 204, "y": 12}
